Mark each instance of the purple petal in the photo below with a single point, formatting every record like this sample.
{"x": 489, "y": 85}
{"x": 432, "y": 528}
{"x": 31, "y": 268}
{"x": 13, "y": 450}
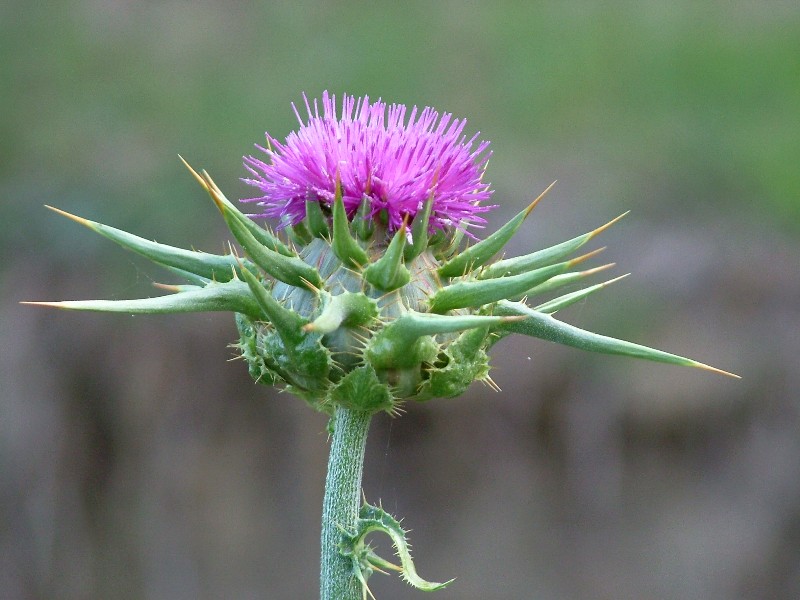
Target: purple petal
{"x": 395, "y": 158}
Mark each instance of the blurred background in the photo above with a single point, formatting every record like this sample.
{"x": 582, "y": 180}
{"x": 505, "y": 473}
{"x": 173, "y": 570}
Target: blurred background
{"x": 137, "y": 463}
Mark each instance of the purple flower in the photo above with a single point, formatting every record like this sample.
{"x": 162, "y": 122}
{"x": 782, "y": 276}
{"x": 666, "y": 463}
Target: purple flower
{"x": 396, "y": 163}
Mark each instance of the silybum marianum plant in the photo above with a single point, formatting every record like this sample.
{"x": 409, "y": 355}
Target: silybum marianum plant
{"x": 377, "y": 290}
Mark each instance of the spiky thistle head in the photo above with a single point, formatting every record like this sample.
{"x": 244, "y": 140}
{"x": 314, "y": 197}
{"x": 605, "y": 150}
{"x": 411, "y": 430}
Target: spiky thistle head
{"x": 377, "y": 155}
{"x": 380, "y": 294}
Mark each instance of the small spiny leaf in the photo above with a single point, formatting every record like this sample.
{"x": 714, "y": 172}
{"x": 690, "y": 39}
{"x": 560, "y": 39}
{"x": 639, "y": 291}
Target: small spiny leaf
{"x": 344, "y": 244}
{"x": 388, "y": 272}
{"x": 483, "y": 251}
{"x": 540, "y": 258}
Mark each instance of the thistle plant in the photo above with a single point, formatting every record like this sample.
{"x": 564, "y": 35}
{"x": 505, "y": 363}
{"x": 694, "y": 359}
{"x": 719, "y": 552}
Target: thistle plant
{"x": 373, "y": 290}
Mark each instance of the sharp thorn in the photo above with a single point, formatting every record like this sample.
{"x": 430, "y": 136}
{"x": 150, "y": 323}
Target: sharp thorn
{"x": 602, "y": 228}
{"x": 714, "y": 370}
{"x": 194, "y": 173}
{"x": 585, "y": 257}
{"x": 310, "y": 285}
{"x": 594, "y": 270}
{"x": 166, "y": 286}
{"x": 75, "y": 218}
{"x": 610, "y": 281}
{"x": 491, "y": 383}
{"x": 50, "y": 304}
{"x": 533, "y": 204}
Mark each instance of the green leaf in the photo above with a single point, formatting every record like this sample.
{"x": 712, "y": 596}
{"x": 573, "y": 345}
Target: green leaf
{"x": 287, "y": 322}
{"x": 461, "y": 362}
{"x": 289, "y": 269}
{"x": 463, "y": 294}
{"x": 546, "y": 327}
{"x": 196, "y": 280}
{"x": 344, "y": 245}
{"x": 263, "y": 236}
{"x": 480, "y": 253}
{"x": 299, "y": 234}
{"x": 232, "y": 296}
{"x": 407, "y": 342}
{"x": 363, "y": 224}
{"x": 451, "y": 244}
{"x": 388, "y": 272}
{"x": 361, "y": 390}
{"x": 351, "y": 309}
{"x": 556, "y": 304}
{"x": 558, "y": 281}
{"x": 540, "y": 258}
{"x": 316, "y": 221}
{"x": 208, "y": 266}
{"x": 375, "y": 519}
{"x": 296, "y": 354}
{"x": 419, "y": 232}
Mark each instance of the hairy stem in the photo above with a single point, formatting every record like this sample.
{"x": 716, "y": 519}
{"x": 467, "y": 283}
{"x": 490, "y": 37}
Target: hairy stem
{"x": 341, "y": 503}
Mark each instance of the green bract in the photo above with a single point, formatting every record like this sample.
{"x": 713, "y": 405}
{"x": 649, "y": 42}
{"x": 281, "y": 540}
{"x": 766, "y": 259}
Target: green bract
{"x": 347, "y": 314}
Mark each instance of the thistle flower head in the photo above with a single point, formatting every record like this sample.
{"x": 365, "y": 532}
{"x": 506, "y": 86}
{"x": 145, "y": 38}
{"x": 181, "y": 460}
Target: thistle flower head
{"x": 378, "y": 300}
{"x": 378, "y": 153}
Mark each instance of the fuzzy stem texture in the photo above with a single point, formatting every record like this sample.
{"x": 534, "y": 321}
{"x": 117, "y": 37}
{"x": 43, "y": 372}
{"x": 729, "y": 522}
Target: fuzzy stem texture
{"x": 341, "y": 503}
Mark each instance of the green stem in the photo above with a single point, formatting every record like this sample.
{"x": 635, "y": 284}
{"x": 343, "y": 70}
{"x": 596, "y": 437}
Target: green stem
{"x": 341, "y": 503}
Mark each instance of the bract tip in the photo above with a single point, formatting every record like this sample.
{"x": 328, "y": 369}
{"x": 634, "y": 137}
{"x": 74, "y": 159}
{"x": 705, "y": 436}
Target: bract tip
{"x": 604, "y": 267}
{"x": 75, "y": 218}
{"x": 48, "y": 304}
{"x": 311, "y": 287}
{"x": 610, "y": 281}
{"x": 715, "y": 370}
{"x": 533, "y": 204}
{"x": 166, "y": 286}
{"x": 602, "y": 228}
{"x": 195, "y": 174}
{"x": 585, "y": 257}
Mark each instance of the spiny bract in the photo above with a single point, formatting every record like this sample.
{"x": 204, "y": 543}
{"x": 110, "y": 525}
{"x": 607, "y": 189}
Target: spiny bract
{"x": 379, "y": 294}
